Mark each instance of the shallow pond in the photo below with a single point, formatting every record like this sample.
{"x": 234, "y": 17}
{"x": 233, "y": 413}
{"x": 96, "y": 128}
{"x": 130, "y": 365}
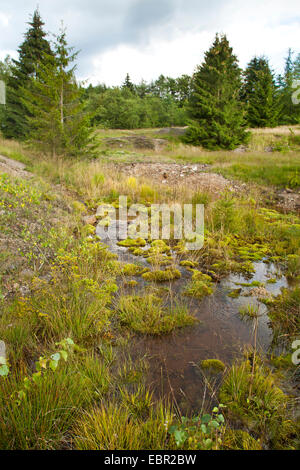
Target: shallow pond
{"x": 221, "y": 333}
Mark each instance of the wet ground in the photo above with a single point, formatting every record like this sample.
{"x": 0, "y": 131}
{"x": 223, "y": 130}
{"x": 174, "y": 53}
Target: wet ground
{"x": 220, "y": 334}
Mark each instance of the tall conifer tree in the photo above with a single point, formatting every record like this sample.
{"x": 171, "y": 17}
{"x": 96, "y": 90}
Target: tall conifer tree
{"x": 215, "y": 108}
{"x": 57, "y": 121}
{"x": 260, "y": 94}
{"x": 31, "y": 53}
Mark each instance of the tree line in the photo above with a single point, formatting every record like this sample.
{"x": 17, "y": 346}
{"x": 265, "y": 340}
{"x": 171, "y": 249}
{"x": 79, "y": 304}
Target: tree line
{"x": 48, "y": 107}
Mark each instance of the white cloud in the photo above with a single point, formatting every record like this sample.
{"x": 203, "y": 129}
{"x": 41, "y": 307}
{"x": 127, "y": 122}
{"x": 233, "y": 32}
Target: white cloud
{"x": 171, "y": 58}
{"x": 249, "y": 34}
{"x": 4, "y": 19}
{"x": 149, "y": 37}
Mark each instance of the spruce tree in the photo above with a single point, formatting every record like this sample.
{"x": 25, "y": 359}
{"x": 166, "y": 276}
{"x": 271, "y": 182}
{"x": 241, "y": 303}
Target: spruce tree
{"x": 128, "y": 85}
{"x": 290, "y": 112}
{"x": 260, "y": 94}
{"x": 215, "y": 108}
{"x": 31, "y": 53}
{"x": 57, "y": 121}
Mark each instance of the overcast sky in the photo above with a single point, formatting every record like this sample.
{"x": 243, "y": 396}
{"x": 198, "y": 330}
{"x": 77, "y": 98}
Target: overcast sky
{"x": 148, "y": 37}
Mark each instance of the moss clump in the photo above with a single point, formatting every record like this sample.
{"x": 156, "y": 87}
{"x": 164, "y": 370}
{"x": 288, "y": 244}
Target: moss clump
{"x": 131, "y": 242}
{"x": 78, "y": 206}
{"x": 132, "y": 270}
{"x": 131, "y": 283}
{"x": 188, "y": 264}
{"x": 199, "y": 276}
{"x": 162, "y": 276}
{"x": 251, "y": 284}
{"x": 159, "y": 246}
{"x": 147, "y": 314}
{"x": 240, "y": 440}
{"x": 159, "y": 259}
{"x": 235, "y": 293}
{"x": 137, "y": 251}
{"x": 198, "y": 289}
{"x": 214, "y": 365}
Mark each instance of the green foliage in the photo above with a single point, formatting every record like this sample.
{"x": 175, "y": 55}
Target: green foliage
{"x": 148, "y": 315}
{"x": 112, "y": 427}
{"x": 162, "y": 276}
{"x": 57, "y": 121}
{"x": 215, "y": 365}
{"x": 200, "y": 432}
{"x": 260, "y": 95}
{"x": 290, "y": 112}
{"x": 287, "y": 301}
{"x": 214, "y": 106}
{"x": 159, "y": 104}
{"x": 264, "y": 411}
{"x": 34, "y": 415}
{"x": 31, "y": 56}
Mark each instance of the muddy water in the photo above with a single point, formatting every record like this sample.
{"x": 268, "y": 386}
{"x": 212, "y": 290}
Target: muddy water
{"x": 221, "y": 333}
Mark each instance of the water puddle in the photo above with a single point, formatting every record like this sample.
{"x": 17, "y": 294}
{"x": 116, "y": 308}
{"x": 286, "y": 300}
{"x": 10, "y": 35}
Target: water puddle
{"x": 220, "y": 334}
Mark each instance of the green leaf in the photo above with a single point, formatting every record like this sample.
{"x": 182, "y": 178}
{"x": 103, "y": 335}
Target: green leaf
{"x": 53, "y": 365}
{"x": 214, "y": 424}
{"x": 64, "y": 355}
{"x": 172, "y": 429}
{"x": 205, "y": 419}
{"x": 203, "y": 428}
{"x": 180, "y": 437}
{"x": 208, "y": 443}
{"x": 216, "y": 409}
{"x": 221, "y": 418}
{"x": 4, "y": 370}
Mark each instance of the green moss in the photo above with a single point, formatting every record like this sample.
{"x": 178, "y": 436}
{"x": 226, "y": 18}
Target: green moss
{"x": 199, "y": 276}
{"x": 240, "y": 440}
{"x": 129, "y": 242}
{"x": 282, "y": 362}
{"x": 215, "y": 365}
{"x": 131, "y": 283}
{"x": 159, "y": 246}
{"x": 162, "y": 276}
{"x": 137, "y": 251}
{"x": 147, "y": 314}
{"x": 188, "y": 264}
{"x": 198, "y": 289}
{"x": 235, "y": 293}
{"x": 251, "y": 284}
{"x": 132, "y": 270}
{"x": 78, "y": 206}
{"x": 159, "y": 259}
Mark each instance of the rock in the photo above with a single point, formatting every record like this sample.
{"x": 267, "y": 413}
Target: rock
{"x": 241, "y": 149}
